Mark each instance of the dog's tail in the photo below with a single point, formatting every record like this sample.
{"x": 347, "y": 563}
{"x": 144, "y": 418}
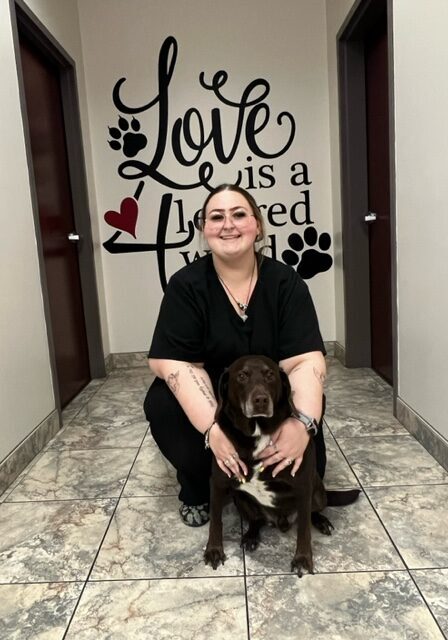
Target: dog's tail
{"x": 342, "y": 498}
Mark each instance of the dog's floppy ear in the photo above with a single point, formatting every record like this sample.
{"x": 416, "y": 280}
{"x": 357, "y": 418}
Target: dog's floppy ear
{"x": 223, "y": 391}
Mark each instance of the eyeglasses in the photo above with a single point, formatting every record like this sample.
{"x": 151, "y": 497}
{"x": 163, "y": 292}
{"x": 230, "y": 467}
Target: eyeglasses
{"x": 238, "y": 218}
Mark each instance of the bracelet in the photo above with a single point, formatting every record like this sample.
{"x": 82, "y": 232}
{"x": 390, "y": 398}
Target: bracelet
{"x": 207, "y": 435}
{"x": 311, "y": 424}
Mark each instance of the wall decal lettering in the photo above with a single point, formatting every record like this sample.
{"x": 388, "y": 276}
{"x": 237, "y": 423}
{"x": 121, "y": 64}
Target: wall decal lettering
{"x": 187, "y": 139}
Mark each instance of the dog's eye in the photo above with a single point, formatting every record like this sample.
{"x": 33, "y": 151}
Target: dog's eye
{"x": 242, "y": 376}
{"x": 269, "y": 375}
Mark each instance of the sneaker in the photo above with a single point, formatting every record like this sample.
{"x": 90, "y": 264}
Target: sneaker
{"x": 194, "y": 515}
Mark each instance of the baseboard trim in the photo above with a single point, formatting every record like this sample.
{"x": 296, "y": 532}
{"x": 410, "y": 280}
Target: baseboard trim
{"x": 339, "y": 352}
{"x": 108, "y": 364}
{"x": 129, "y": 360}
{"x": 335, "y": 350}
{"x": 428, "y": 437}
{"x": 13, "y": 465}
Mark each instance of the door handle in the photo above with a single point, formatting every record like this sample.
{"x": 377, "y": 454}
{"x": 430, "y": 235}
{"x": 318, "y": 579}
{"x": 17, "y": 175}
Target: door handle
{"x": 370, "y": 217}
{"x": 74, "y": 237}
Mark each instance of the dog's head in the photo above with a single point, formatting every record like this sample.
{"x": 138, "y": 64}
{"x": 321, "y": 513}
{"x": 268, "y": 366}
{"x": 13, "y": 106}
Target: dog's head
{"x": 253, "y": 387}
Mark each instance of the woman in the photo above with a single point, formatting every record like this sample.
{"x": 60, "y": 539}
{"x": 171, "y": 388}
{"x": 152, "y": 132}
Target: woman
{"x": 229, "y": 303}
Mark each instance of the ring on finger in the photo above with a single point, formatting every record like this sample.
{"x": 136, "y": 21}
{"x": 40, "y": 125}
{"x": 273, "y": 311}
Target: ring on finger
{"x": 288, "y": 461}
{"x": 226, "y": 462}
{"x": 234, "y": 455}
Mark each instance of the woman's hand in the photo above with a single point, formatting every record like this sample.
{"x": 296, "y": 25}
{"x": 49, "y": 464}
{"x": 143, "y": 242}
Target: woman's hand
{"x": 287, "y": 447}
{"x": 225, "y": 454}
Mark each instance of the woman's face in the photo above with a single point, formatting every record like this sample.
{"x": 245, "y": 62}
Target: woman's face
{"x": 230, "y": 226}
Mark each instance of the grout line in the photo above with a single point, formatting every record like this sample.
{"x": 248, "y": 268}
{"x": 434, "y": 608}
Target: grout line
{"x": 246, "y": 596}
{"x": 102, "y": 540}
{"x": 363, "y": 489}
{"x": 245, "y": 575}
{"x": 424, "y": 600}
{"x": 222, "y": 577}
{"x": 101, "y": 498}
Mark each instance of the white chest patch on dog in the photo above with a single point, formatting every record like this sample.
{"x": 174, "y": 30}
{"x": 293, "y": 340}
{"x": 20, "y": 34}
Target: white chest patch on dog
{"x": 262, "y": 440}
{"x": 257, "y": 488}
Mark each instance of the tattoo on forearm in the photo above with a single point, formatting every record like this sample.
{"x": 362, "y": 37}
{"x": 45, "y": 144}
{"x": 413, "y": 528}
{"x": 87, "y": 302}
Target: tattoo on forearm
{"x": 319, "y": 375}
{"x": 173, "y": 382}
{"x": 203, "y": 386}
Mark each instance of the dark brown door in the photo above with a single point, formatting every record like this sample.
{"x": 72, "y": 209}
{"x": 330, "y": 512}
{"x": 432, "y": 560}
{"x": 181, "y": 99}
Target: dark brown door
{"x": 51, "y": 175}
{"x": 379, "y": 199}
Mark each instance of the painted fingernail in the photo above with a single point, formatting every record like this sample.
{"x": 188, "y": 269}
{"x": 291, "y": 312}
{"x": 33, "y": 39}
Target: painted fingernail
{"x": 293, "y": 474}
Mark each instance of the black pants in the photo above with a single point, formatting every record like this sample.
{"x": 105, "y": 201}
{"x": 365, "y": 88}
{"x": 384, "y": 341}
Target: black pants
{"x": 183, "y": 445}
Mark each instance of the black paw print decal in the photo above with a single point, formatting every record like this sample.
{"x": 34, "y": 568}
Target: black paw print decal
{"x": 311, "y": 260}
{"x": 130, "y": 141}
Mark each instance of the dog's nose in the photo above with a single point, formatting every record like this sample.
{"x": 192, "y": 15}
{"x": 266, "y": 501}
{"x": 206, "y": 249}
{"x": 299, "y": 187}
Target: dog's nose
{"x": 261, "y": 401}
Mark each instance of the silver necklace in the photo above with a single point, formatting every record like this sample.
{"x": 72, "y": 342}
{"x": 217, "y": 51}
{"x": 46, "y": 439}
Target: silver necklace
{"x": 242, "y": 306}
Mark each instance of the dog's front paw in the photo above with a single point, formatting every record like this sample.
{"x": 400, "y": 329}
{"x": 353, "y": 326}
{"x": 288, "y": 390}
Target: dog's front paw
{"x": 302, "y": 564}
{"x": 249, "y": 542}
{"x": 322, "y": 523}
{"x": 214, "y": 556}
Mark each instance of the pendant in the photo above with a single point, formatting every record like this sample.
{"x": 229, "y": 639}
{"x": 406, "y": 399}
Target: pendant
{"x": 244, "y": 318}
{"x": 242, "y": 306}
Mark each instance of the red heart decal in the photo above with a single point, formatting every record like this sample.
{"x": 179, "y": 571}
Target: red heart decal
{"x": 126, "y": 220}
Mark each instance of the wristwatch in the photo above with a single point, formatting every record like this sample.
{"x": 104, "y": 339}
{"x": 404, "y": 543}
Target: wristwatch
{"x": 311, "y": 424}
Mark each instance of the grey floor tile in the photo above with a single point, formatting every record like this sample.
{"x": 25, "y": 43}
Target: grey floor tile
{"x": 357, "y": 391}
{"x": 67, "y": 475}
{"x": 152, "y": 474}
{"x": 113, "y": 407}
{"x": 370, "y": 419}
{"x": 147, "y": 539}
{"x": 51, "y": 542}
{"x": 99, "y": 436}
{"x": 416, "y": 518}
{"x": 86, "y": 394}
{"x": 338, "y": 474}
{"x": 31, "y": 611}
{"x": 5, "y": 495}
{"x": 358, "y": 543}
{"x": 391, "y": 460}
{"x": 347, "y": 425}
{"x": 137, "y": 377}
{"x": 351, "y": 606}
{"x": 197, "y": 609}
{"x": 433, "y": 583}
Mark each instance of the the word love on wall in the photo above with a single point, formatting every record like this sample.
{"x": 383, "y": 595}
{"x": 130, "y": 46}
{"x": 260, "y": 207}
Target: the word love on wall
{"x": 307, "y": 249}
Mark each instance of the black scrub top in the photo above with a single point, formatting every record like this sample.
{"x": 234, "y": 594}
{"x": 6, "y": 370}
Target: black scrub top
{"x": 198, "y": 323}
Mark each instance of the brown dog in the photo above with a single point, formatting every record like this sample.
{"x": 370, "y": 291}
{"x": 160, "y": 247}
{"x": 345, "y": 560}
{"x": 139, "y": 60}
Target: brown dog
{"x": 254, "y": 401}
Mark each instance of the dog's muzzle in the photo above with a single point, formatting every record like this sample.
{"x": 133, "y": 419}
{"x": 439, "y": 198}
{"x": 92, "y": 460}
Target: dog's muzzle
{"x": 258, "y": 405}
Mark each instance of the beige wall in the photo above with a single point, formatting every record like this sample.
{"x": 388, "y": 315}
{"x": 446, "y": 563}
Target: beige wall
{"x": 25, "y": 378}
{"x": 421, "y": 130}
{"x": 284, "y": 43}
{"x": 337, "y": 11}
{"x": 301, "y": 68}
{"x": 421, "y": 156}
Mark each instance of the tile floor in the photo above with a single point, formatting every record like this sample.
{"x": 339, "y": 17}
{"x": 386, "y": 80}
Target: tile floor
{"x": 91, "y": 545}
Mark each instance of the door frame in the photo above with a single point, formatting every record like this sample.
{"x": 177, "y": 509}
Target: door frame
{"x": 354, "y": 181}
{"x": 26, "y": 22}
